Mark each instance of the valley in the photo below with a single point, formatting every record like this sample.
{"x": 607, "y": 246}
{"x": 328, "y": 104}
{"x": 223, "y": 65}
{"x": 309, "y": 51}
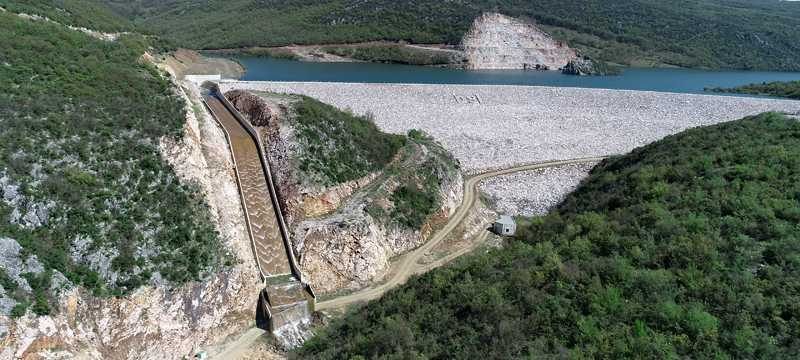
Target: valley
{"x": 231, "y": 202}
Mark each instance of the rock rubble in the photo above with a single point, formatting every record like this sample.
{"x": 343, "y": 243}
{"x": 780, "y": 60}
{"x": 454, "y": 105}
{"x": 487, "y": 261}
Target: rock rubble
{"x": 510, "y": 125}
{"x": 536, "y": 192}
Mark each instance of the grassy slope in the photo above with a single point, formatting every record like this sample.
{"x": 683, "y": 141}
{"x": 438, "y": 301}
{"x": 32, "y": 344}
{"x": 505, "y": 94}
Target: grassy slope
{"x": 80, "y": 121}
{"x": 687, "y": 247}
{"x": 788, "y": 89}
{"x": 693, "y": 33}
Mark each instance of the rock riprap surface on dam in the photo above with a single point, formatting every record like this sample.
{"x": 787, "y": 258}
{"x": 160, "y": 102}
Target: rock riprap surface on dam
{"x": 490, "y": 127}
{"x": 535, "y": 192}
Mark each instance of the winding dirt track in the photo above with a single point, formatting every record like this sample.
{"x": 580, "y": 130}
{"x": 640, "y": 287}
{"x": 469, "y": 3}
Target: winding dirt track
{"x": 408, "y": 264}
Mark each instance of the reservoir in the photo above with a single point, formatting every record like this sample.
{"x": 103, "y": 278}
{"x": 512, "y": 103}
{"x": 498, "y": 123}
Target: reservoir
{"x": 666, "y": 80}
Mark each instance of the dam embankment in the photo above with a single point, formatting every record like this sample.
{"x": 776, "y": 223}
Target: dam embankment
{"x": 488, "y": 127}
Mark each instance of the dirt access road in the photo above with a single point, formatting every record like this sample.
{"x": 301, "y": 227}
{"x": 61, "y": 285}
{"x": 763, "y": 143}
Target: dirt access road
{"x": 408, "y": 264}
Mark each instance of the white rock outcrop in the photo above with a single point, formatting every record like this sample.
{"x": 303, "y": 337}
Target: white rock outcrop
{"x": 497, "y": 41}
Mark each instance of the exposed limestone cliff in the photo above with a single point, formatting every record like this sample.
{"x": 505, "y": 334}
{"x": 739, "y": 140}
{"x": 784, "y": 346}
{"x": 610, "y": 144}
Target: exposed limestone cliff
{"x": 345, "y": 233}
{"x": 497, "y": 41}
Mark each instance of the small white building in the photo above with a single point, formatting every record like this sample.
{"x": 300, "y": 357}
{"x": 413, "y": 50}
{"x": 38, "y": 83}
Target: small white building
{"x": 199, "y": 79}
{"x": 505, "y": 226}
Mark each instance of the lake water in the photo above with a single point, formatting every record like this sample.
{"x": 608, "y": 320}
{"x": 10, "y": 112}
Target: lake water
{"x": 668, "y": 80}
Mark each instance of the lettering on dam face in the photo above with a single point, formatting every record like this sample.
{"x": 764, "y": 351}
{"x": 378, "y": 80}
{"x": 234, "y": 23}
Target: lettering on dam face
{"x": 467, "y": 99}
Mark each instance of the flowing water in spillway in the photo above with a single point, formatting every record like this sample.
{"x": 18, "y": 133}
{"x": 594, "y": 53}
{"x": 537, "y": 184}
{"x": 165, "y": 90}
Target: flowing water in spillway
{"x": 270, "y": 250}
{"x": 667, "y": 80}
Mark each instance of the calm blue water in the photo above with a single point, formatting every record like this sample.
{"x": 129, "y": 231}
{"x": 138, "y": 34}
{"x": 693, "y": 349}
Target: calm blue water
{"x": 670, "y": 80}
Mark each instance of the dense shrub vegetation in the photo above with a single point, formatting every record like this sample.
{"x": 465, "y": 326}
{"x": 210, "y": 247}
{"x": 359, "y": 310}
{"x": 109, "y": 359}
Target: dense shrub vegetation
{"x": 417, "y": 197}
{"x": 340, "y": 146}
{"x": 788, "y": 89}
{"x": 694, "y": 33}
{"x": 685, "y": 248}
{"x": 80, "y": 123}
{"x": 91, "y": 14}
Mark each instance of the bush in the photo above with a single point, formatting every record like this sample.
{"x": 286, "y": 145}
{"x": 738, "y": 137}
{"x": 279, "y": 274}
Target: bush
{"x": 340, "y": 146}
{"x": 789, "y": 89}
{"x": 705, "y": 34}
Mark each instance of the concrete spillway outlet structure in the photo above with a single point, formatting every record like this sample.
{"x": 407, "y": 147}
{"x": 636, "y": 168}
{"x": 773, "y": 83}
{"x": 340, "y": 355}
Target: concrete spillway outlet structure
{"x": 286, "y": 301}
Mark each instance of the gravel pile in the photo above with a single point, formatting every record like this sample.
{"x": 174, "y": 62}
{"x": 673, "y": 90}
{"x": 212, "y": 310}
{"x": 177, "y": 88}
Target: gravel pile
{"x": 534, "y": 193}
{"x": 489, "y": 127}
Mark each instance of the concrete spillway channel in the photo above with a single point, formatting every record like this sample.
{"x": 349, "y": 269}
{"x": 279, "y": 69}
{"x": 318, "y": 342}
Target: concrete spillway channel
{"x": 285, "y": 300}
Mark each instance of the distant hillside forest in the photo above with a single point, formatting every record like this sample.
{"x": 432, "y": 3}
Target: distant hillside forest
{"x": 84, "y": 189}
{"x": 740, "y": 34}
{"x": 685, "y": 248}
{"x": 788, "y": 89}
{"x": 90, "y": 14}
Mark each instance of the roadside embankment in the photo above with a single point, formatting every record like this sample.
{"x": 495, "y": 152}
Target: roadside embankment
{"x": 373, "y": 51}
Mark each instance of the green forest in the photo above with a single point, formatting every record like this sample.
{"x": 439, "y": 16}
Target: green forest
{"x": 684, "y": 248}
{"x": 735, "y": 34}
{"x": 786, "y": 89}
{"x": 80, "y": 124}
{"x": 90, "y": 14}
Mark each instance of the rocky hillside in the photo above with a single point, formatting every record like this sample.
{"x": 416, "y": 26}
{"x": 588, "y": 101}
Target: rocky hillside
{"x": 353, "y": 196}
{"x": 121, "y": 235}
{"x": 497, "y": 41}
{"x": 691, "y": 33}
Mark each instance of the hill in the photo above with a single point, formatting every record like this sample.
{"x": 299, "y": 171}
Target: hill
{"x": 90, "y": 14}
{"x": 787, "y": 89}
{"x": 85, "y": 195}
{"x": 686, "y": 247}
{"x": 691, "y": 33}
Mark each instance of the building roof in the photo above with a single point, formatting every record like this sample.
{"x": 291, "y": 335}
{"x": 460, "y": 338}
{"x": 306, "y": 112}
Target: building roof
{"x": 505, "y": 220}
